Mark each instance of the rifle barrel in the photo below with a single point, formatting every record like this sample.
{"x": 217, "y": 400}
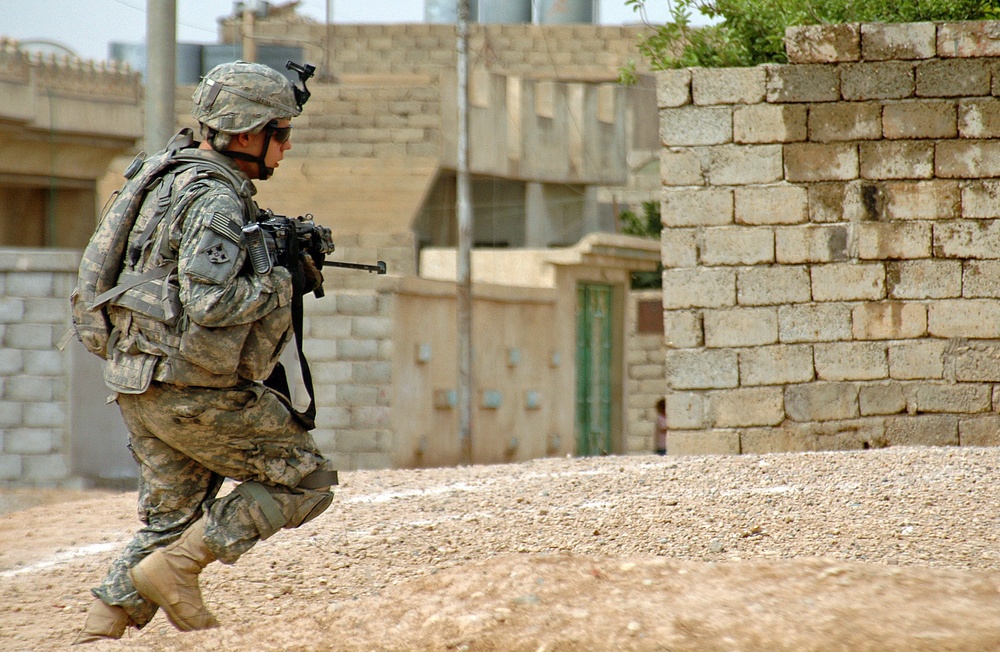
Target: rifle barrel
{"x": 378, "y": 268}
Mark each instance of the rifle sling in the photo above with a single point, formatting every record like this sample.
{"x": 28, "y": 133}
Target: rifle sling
{"x": 278, "y": 381}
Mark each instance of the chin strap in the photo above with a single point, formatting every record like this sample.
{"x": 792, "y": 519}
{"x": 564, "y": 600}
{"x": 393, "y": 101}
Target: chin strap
{"x": 263, "y": 172}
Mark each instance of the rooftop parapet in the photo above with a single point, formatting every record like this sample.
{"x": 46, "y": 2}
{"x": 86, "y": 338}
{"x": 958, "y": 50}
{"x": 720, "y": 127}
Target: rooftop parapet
{"x": 65, "y": 74}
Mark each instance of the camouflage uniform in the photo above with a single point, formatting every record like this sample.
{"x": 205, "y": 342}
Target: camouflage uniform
{"x": 244, "y": 433}
{"x": 188, "y": 352}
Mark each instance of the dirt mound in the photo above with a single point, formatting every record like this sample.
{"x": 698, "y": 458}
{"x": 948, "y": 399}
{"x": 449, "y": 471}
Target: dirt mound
{"x": 876, "y": 550}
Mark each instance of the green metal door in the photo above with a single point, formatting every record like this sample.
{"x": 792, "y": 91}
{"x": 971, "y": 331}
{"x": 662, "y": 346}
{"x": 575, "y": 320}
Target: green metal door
{"x": 593, "y": 370}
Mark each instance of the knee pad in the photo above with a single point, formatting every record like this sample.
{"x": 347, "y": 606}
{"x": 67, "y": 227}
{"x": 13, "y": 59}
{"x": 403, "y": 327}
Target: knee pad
{"x": 317, "y": 496}
{"x": 255, "y": 492}
{"x": 318, "y": 503}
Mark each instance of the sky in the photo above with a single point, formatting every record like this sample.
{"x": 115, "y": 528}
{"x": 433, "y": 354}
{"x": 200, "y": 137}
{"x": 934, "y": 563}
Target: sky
{"x": 87, "y": 26}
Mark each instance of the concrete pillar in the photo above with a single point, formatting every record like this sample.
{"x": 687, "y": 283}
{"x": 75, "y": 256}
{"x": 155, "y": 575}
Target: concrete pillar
{"x": 537, "y": 225}
{"x": 591, "y": 216}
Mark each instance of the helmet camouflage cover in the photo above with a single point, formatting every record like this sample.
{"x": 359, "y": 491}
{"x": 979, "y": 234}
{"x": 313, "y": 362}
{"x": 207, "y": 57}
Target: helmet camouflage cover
{"x": 241, "y": 97}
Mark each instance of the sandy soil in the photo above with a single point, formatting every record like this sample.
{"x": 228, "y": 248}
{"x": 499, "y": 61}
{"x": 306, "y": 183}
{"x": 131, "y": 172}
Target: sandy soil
{"x": 892, "y": 549}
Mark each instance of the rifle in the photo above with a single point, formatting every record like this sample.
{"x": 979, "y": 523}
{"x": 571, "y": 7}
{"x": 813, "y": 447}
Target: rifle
{"x": 278, "y": 240}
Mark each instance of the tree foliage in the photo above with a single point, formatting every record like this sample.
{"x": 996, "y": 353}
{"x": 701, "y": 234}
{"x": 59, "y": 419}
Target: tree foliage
{"x": 647, "y": 225}
{"x": 751, "y": 32}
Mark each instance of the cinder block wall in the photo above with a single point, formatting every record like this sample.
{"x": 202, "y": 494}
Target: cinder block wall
{"x": 832, "y": 243}
{"x": 349, "y": 347}
{"x": 549, "y": 51}
{"x": 34, "y": 374}
{"x": 371, "y": 120}
{"x": 644, "y": 355}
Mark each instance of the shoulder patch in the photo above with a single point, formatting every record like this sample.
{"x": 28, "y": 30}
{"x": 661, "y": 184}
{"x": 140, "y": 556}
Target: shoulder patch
{"x": 217, "y": 254}
{"x": 226, "y": 227}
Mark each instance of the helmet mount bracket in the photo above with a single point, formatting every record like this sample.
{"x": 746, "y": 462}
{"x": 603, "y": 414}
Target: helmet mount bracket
{"x": 305, "y": 72}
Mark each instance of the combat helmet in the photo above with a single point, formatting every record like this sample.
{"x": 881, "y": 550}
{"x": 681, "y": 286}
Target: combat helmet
{"x": 244, "y": 97}
{"x": 241, "y": 97}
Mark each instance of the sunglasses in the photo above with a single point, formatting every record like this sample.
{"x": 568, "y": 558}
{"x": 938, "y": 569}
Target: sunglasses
{"x": 281, "y": 134}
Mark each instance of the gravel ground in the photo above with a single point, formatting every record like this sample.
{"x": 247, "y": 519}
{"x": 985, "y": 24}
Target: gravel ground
{"x": 881, "y": 549}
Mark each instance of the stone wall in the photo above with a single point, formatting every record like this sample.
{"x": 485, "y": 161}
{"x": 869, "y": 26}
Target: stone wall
{"x": 34, "y": 375}
{"x": 832, "y": 243}
{"x": 644, "y": 356}
{"x": 348, "y": 342}
{"x": 550, "y": 51}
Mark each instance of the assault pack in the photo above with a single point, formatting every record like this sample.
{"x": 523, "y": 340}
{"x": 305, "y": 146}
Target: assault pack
{"x": 103, "y": 258}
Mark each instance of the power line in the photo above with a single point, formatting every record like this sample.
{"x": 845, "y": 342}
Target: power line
{"x": 142, "y": 10}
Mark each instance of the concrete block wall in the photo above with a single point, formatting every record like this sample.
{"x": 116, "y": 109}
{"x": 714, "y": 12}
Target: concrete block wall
{"x": 348, "y": 342}
{"x": 644, "y": 358}
{"x": 388, "y": 83}
{"x": 550, "y": 51}
{"x": 34, "y": 373}
{"x": 364, "y": 119}
{"x": 831, "y": 243}
{"x": 382, "y": 354}
{"x": 371, "y": 120}
{"x": 394, "y": 249}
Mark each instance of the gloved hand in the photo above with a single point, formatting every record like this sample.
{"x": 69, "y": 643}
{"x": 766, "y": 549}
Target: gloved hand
{"x": 311, "y": 275}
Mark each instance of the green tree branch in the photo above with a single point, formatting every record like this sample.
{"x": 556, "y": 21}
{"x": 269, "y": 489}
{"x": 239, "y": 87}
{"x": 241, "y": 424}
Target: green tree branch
{"x": 752, "y": 32}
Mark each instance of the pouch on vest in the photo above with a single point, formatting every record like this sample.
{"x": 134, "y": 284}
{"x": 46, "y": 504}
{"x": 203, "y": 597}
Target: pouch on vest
{"x": 129, "y": 373}
{"x": 264, "y": 344}
{"x": 215, "y": 349}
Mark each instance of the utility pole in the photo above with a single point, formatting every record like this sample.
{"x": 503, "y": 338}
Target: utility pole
{"x": 249, "y": 44}
{"x": 464, "y": 209}
{"x": 161, "y": 73}
{"x": 327, "y": 74}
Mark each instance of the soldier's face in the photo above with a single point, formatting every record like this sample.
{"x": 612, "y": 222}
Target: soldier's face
{"x": 275, "y": 149}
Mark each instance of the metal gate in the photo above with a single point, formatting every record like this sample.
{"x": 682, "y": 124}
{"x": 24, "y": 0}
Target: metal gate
{"x": 593, "y": 367}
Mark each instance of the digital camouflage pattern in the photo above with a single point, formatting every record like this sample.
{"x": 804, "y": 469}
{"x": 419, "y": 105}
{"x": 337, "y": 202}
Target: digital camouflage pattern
{"x": 101, "y": 263}
{"x": 194, "y": 330}
{"x": 238, "y": 97}
{"x": 202, "y": 420}
{"x": 243, "y": 433}
{"x": 211, "y": 323}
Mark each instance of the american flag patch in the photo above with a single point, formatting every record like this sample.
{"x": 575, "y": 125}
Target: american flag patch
{"x": 226, "y": 227}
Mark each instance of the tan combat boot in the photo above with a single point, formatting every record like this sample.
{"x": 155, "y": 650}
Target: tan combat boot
{"x": 104, "y": 622}
{"x": 169, "y": 577}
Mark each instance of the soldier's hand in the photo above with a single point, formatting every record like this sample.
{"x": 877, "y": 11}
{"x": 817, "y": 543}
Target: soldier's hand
{"x": 312, "y": 276}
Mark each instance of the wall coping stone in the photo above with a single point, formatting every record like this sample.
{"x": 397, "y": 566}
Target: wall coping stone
{"x": 850, "y": 42}
{"x": 39, "y": 260}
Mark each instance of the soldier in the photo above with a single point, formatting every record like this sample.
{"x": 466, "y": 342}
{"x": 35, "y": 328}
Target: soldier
{"x": 186, "y": 355}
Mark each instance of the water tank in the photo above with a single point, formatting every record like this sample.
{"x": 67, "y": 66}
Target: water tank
{"x": 565, "y": 12}
{"x": 504, "y": 11}
{"x": 134, "y": 54}
{"x": 446, "y": 11}
{"x": 187, "y": 62}
{"x": 480, "y": 11}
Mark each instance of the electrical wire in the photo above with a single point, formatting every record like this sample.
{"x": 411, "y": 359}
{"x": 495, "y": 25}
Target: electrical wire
{"x": 142, "y": 10}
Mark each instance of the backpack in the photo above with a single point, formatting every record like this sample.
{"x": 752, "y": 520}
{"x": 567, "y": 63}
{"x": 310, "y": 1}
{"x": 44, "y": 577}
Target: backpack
{"x": 102, "y": 262}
